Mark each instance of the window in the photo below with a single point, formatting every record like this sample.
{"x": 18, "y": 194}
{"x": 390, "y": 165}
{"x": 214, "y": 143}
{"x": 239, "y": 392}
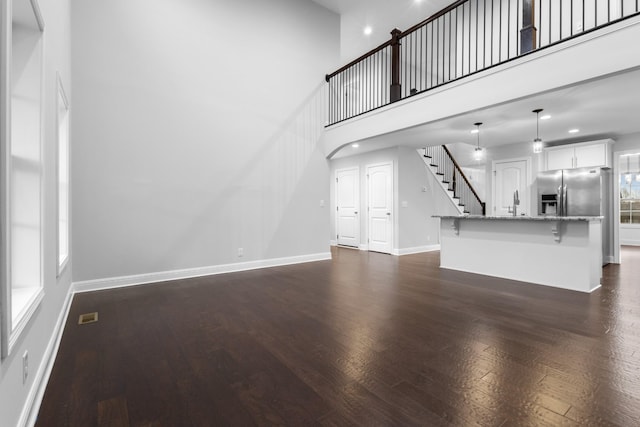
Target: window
{"x": 630, "y": 198}
{"x": 22, "y": 154}
{"x": 63, "y": 178}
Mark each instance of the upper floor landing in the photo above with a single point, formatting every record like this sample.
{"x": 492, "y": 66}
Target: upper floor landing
{"x": 470, "y": 57}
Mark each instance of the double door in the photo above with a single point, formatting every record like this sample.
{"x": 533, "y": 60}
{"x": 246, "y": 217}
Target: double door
{"x": 378, "y": 207}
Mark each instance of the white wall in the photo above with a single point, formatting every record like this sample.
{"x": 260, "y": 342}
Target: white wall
{"x": 415, "y": 229}
{"x": 36, "y": 338}
{"x": 629, "y": 235}
{"x": 627, "y": 142}
{"x": 197, "y": 132}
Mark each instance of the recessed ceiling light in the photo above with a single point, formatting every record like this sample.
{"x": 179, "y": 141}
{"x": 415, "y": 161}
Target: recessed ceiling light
{"x": 356, "y": 145}
{"x": 545, "y": 117}
{"x": 367, "y": 30}
{"x": 574, "y": 130}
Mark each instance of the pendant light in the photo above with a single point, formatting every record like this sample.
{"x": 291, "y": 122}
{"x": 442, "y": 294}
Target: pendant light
{"x": 537, "y": 143}
{"x": 478, "y": 153}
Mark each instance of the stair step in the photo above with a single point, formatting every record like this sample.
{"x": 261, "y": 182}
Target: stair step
{"x": 445, "y": 181}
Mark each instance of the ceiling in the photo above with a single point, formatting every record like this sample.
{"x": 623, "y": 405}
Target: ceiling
{"x": 381, "y": 15}
{"x": 602, "y": 108}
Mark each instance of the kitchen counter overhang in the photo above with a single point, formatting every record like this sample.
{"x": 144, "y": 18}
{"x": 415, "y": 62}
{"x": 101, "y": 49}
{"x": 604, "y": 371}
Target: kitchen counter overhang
{"x": 564, "y": 252}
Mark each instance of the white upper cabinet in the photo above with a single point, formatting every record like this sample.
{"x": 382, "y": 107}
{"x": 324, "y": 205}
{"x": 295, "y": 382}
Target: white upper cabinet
{"x": 560, "y": 158}
{"x": 582, "y": 155}
{"x": 592, "y": 155}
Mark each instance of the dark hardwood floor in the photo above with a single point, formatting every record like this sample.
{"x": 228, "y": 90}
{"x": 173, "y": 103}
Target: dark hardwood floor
{"x": 364, "y": 339}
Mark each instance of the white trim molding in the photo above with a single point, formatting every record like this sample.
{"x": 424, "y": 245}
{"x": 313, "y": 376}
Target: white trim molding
{"x": 416, "y": 250}
{"x": 34, "y": 398}
{"x": 163, "y": 276}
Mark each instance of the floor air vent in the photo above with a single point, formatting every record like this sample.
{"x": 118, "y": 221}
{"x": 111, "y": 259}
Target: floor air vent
{"x": 88, "y": 318}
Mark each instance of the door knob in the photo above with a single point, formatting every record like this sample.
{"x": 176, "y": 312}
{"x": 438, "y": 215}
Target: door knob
{"x": 389, "y": 213}
{"x": 355, "y": 213}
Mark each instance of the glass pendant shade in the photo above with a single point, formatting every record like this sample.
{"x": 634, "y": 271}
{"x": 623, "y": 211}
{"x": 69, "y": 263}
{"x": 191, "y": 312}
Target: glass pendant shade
{"x": 537, "y": 145}
{"x": 478, "y": 154}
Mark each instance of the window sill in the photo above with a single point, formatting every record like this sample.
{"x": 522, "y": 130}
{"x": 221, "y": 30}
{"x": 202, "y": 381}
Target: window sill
{"x": 24, "y": 303}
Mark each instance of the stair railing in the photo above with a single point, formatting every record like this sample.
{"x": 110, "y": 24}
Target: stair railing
{"x": 452, "y": 175}
{"x": 462, "y": 39}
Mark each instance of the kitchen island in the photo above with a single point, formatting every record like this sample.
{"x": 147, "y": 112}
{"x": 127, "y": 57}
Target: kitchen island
{"x": 564, "y": 252}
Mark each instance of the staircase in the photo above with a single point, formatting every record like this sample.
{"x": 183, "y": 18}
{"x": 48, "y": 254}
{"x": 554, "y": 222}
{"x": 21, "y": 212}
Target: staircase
{"x": 447, "y": 171}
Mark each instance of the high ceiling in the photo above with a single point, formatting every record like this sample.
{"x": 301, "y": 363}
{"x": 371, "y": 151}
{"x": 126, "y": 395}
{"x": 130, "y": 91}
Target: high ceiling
{"x": 601, "y": 108}
{"x": 381, "y": 15}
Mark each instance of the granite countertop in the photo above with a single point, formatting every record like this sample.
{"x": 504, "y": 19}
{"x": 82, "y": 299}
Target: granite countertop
{"x": 523, "y": 218}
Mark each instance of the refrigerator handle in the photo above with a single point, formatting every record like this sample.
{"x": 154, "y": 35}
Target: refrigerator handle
{"x": 559, "y": 202}
{"x": 564, "y": 201}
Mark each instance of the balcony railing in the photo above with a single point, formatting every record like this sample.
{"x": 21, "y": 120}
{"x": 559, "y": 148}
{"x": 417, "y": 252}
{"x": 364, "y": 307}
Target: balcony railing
{"x": 464, "y": 38}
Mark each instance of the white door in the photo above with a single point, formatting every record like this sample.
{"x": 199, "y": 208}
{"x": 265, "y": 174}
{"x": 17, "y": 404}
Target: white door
{"x": 380, "y": 200}
{"x": 347, "y": 207}
{"x": 509, "y": 176}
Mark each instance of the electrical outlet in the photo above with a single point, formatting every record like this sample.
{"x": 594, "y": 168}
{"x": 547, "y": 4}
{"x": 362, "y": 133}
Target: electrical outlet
{"x": 240, "y": 252}
{"x": 322, "y": 203}
{"x": 25, "y": 367}
{"x": 428, "y": 238}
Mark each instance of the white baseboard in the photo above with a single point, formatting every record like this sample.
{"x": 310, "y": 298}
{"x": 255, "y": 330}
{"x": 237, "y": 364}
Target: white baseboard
{"x": 630, "y": 242}
{"x": 31, "y": 407}
{"x": 333, "y": 243}
{"x": 416, "y": 250}
{"x": 364, "y": 247}
{"x": 142, "y": 279}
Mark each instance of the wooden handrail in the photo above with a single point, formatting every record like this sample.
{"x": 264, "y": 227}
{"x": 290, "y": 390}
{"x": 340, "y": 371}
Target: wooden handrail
{"x": 455, "y": 164}
{"x": 402, "y": 34}
{"x": 434, "y": 17}
{"x": 396, "y": 70}
{"x": 360, "y": 58}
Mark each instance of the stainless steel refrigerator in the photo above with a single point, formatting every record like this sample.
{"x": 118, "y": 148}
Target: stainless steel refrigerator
{"x": 573, "y": 192}
{"x": 579, "y": 192}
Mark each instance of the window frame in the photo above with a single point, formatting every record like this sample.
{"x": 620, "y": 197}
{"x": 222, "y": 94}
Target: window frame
{"x": 634, "y": 210}
{"x": 62, "y": 180}
{"x": 13, "y": 319}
